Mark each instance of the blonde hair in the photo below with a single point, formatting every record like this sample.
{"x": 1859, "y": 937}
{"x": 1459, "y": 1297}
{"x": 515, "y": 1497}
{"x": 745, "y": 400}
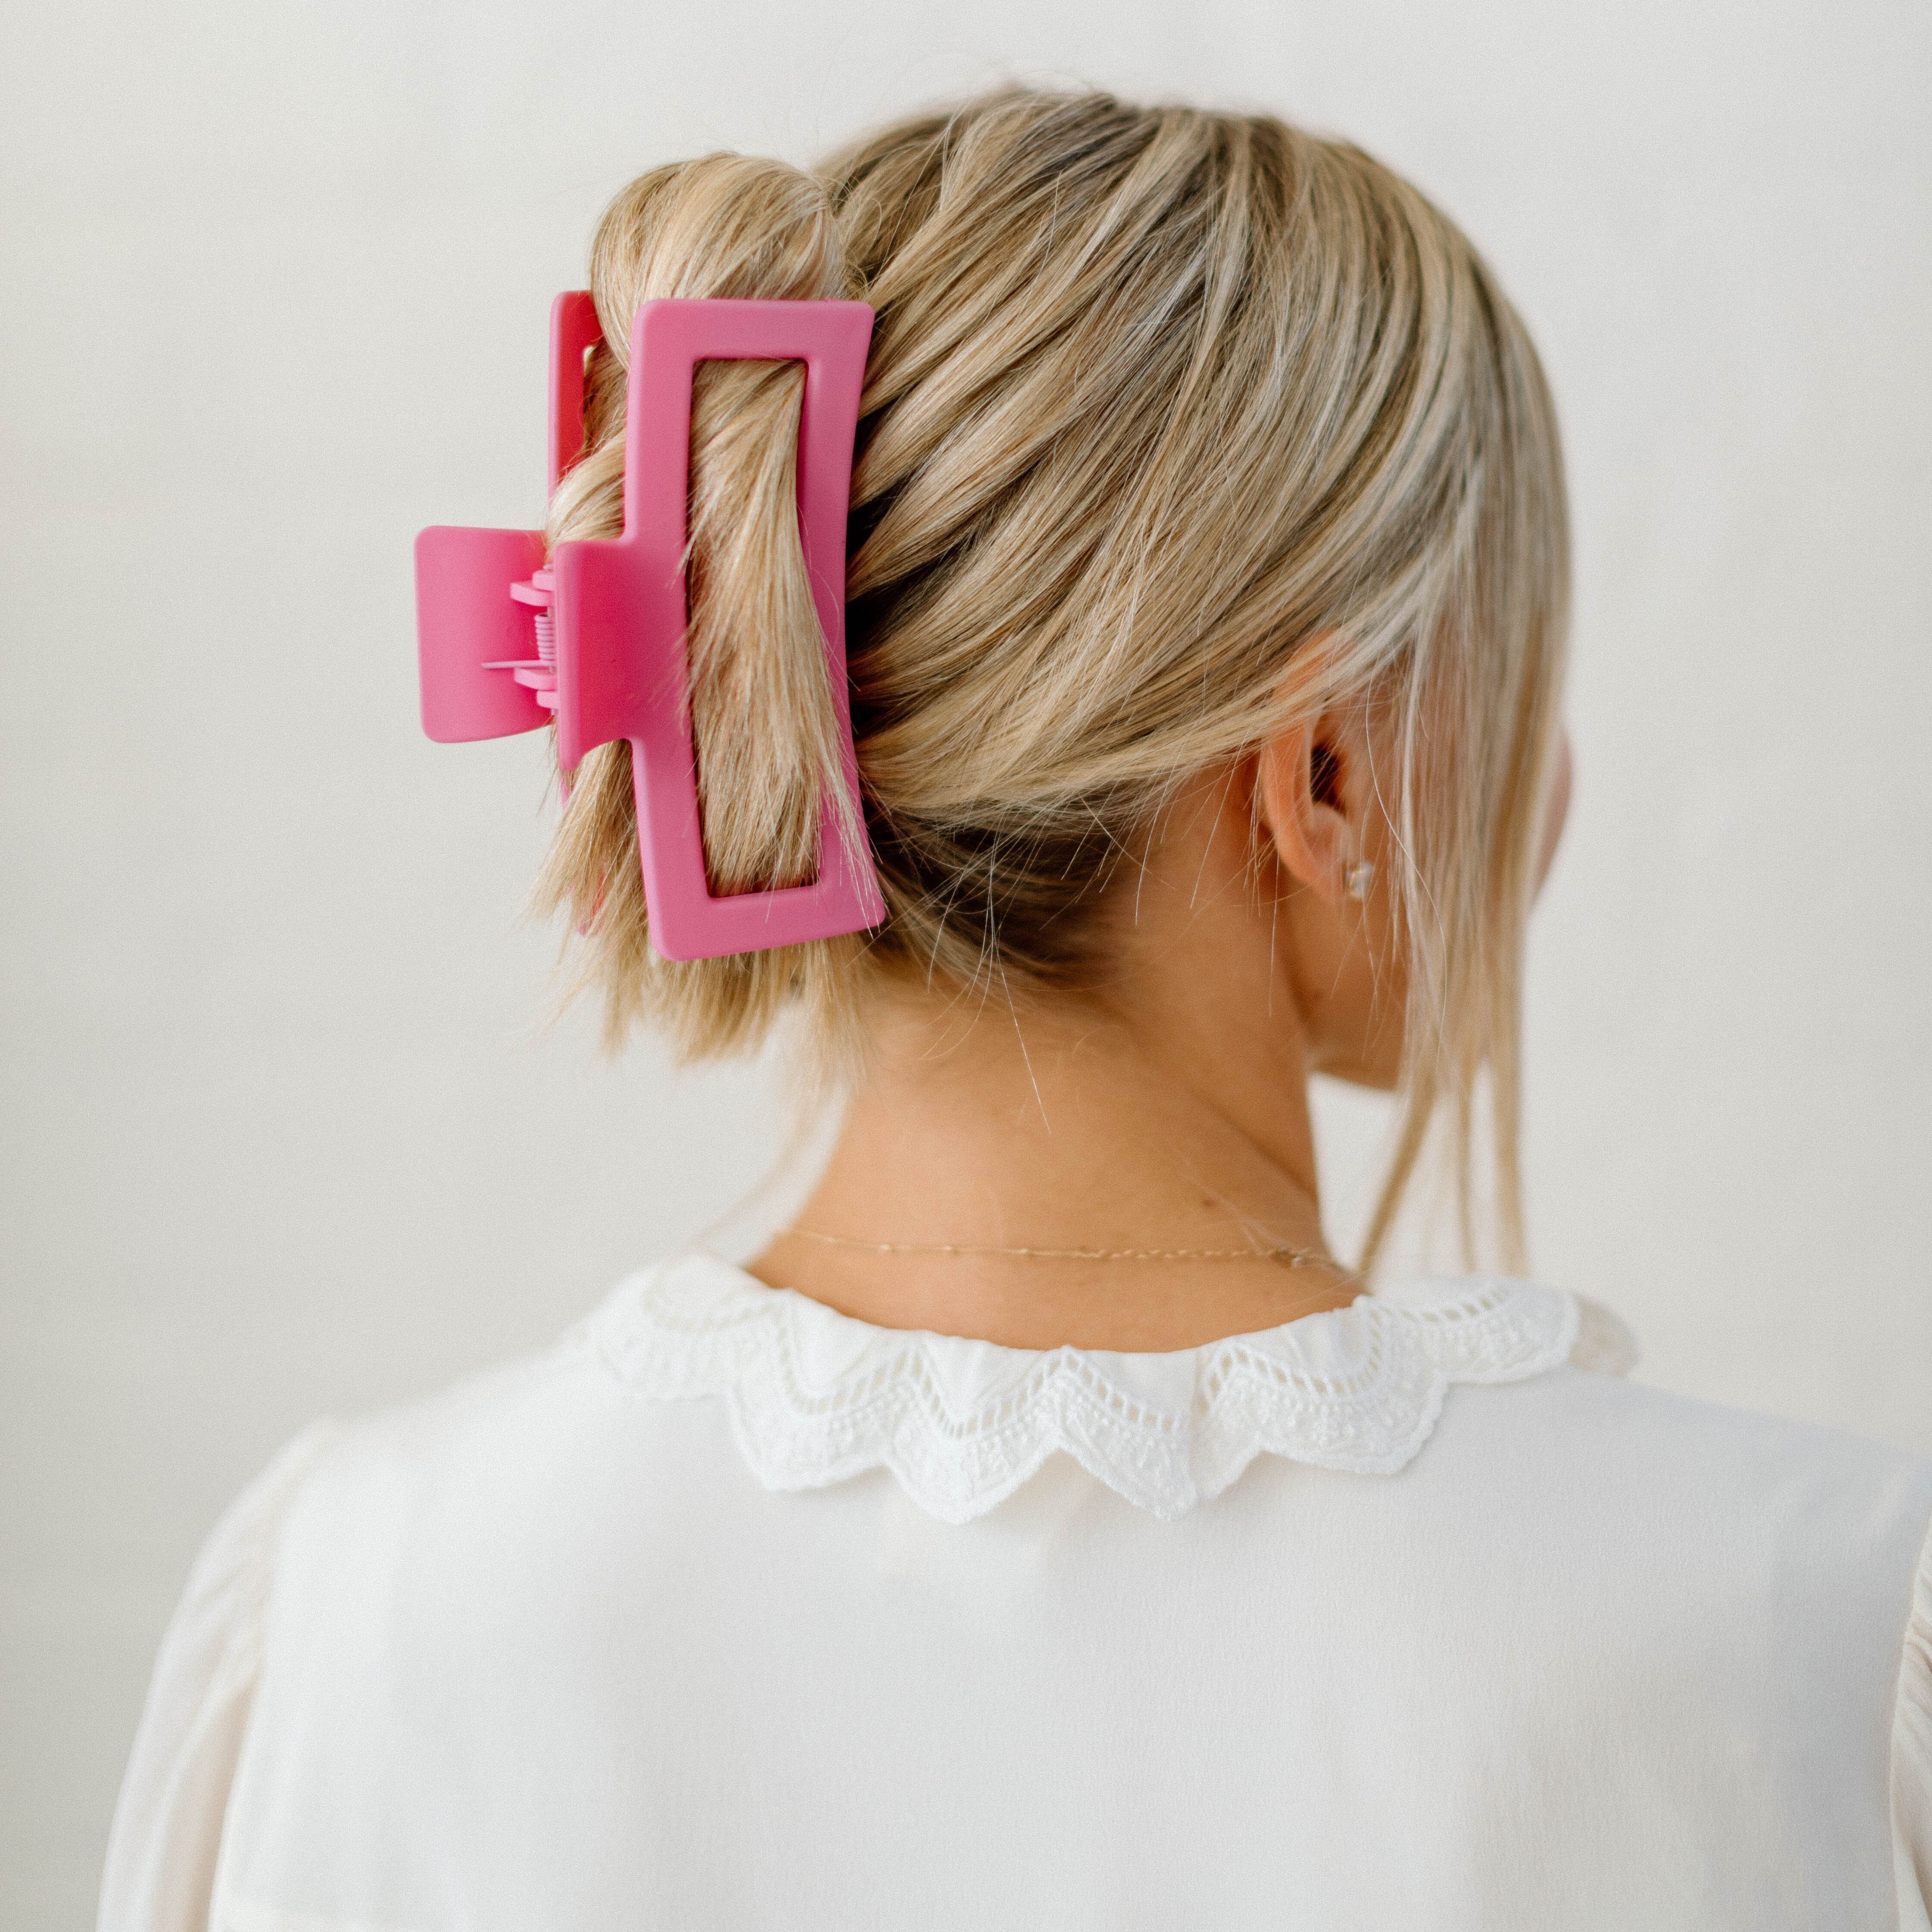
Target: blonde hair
{"x": 1156, "y": 396}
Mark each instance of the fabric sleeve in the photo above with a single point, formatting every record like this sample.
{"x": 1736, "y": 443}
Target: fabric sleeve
{"x": 167, "y": 1826}
{"x": 1912, "y": 1759}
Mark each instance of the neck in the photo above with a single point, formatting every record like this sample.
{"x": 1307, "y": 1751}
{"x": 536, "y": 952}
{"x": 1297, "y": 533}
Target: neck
{"x": 1172, "y": 1113}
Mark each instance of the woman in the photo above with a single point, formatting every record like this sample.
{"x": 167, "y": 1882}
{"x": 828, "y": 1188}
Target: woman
{"x": 1206, "y": 592}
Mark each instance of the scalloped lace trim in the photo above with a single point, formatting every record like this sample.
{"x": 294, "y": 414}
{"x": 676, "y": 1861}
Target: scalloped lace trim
{"x": 816, "y": 1396}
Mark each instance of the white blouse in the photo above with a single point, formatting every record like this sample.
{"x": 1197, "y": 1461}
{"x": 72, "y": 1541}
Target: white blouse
{"x": 731, "y": 1611}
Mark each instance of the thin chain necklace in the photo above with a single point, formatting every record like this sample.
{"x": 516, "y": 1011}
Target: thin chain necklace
{"x": 1293, "y": 1258}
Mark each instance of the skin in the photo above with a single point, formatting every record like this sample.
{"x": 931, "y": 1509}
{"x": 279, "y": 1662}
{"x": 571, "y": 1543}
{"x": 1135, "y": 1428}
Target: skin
{"x": 1167, "y": 1108}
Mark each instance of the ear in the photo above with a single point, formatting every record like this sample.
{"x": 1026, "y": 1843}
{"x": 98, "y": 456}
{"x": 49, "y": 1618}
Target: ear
{"x": 1307, "y": 779}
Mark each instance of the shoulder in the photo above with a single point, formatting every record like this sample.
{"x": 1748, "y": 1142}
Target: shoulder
{"x": 1607, "y": 1421}
{"x": 1668, "y": 1498}
{"x": 1578, "y": 1436}
{"x": 1606, "y": 1435}
{"x": 432, "y": 1544}
{"x": 1581, "y": 1414}
{"x": 504, "y": 1446}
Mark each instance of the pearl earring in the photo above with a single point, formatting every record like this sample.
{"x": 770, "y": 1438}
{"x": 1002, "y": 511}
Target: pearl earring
{"x": 1357, "y": 877}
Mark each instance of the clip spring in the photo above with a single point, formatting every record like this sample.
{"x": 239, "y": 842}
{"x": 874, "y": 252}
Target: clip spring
{"x": 537, "y": 675}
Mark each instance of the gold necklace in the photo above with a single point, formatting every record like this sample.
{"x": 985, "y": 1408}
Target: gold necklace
{"x": 1292, "y": 1258}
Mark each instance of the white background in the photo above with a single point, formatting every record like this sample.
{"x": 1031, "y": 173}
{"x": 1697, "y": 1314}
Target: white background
{"x": 283, "y": 1135}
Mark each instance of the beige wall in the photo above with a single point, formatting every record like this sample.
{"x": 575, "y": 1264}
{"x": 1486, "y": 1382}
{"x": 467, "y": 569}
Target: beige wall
{"x": 281, "y": 1138}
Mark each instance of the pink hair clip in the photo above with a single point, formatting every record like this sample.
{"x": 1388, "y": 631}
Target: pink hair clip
{"x": 597, "y": 639}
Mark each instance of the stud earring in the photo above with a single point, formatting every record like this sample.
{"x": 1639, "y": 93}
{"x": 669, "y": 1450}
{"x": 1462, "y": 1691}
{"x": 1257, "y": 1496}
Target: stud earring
{"x": 1357, "y": 877}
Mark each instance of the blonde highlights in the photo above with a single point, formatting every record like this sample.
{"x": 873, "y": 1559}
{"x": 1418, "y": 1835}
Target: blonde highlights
{"x": 1156, "y": 397}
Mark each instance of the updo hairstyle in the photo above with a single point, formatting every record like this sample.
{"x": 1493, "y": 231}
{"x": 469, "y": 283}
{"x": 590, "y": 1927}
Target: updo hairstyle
{"x": 1156, "y": 397}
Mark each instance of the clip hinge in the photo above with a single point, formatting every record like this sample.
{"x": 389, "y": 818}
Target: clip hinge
{"x": 538, "y": 675}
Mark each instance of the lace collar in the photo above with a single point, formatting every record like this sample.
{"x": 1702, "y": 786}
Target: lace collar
{"x": 816, "y": 1396}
